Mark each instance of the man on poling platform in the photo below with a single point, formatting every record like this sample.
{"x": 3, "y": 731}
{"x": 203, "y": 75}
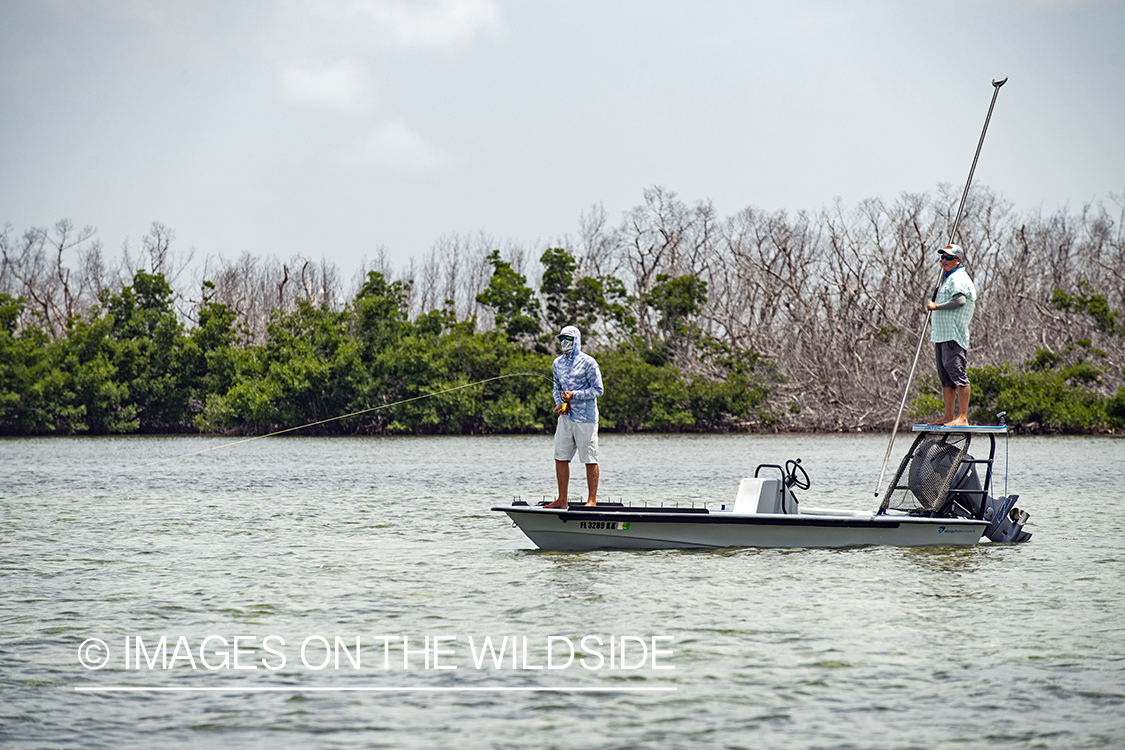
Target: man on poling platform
{"x": 578, "y": 383}
{"x": 953, "y": 311}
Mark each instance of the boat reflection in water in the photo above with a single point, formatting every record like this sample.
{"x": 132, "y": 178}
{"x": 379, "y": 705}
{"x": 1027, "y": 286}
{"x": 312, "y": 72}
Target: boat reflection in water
{"x": 937, "y": 498}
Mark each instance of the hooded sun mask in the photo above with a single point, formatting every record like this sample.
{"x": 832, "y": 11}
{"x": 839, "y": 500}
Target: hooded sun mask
{"x": 569, "y": 340}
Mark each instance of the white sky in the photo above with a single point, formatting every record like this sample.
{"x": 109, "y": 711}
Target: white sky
{"x": 330, "y": 129}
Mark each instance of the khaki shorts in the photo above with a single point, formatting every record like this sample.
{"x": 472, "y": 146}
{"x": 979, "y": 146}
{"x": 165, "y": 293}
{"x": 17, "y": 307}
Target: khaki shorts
{"x": 572, "y": 437}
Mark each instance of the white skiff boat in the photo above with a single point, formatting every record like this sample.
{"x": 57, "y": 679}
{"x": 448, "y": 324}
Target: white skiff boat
{"x": 937, "y": 498}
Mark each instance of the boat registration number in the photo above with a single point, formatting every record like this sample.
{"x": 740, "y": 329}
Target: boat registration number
{"x": 607, "y": 525}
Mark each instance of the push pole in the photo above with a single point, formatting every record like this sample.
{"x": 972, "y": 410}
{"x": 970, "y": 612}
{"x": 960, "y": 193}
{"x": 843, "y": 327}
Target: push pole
{"x": 925, "y": 325}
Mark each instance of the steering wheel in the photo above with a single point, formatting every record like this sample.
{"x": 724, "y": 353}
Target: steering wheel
{"x": 792, "y": 480}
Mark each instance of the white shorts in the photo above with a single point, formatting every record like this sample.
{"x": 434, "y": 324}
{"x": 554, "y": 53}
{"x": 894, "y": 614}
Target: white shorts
{"x": 571, "y": 436}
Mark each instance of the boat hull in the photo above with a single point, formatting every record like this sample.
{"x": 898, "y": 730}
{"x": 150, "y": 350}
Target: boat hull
{"x": 642, "y": 529}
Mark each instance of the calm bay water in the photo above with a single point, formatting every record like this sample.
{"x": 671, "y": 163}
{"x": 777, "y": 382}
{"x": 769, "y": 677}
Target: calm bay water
{"x": 300, "y": 538}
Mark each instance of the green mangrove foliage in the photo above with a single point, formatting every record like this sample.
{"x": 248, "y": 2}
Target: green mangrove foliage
{"x": 131, "y": 365}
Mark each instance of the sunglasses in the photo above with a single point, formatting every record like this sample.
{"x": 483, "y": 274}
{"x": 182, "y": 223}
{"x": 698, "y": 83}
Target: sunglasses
{"x": 566, "y": 338}
{"x": 948, "y": 257}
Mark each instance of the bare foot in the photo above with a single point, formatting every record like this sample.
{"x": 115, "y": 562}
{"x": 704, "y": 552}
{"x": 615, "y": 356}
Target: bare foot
{"x": 558, "y": 504}
{"x": 957, "y": 423}
{"x": 591, "y": 502}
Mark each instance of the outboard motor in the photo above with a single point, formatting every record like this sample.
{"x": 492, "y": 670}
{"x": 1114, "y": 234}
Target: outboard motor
{"x": 1006, "y": 519}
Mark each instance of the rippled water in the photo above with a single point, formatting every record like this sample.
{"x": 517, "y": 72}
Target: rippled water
{"x": 1020, "y": 646}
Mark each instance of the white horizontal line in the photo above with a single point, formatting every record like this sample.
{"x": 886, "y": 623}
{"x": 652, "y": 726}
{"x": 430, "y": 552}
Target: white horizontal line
{"x": 299, "y": 689}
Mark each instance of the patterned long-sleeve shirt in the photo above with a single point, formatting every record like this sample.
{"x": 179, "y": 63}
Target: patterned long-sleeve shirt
{"x": 578, "y": 372}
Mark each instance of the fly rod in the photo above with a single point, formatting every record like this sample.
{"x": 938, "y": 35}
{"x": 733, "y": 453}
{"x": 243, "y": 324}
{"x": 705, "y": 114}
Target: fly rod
{"x": 240, "y": 441}
{"x": 929, "y": 313}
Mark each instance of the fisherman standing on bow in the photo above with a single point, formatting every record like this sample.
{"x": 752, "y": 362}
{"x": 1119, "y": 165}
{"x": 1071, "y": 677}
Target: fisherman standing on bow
{"x": 578, "y": 383}
{"x": 953, "y": 311}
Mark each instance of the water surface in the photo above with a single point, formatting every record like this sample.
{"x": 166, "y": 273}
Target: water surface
{"x": 108, "y": 538}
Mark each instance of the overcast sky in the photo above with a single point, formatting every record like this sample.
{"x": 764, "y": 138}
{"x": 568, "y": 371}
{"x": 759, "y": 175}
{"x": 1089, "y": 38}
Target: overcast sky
{"x": 330, "y": 129}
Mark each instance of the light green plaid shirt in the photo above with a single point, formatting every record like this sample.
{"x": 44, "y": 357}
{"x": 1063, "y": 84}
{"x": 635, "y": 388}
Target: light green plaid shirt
{"x": 953, "y": 325}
